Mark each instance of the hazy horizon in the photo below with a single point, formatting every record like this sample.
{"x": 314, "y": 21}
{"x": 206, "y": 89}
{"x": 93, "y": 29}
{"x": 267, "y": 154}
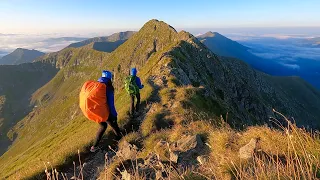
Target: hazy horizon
{"x": 40, "y": 42}
{"x": 85, "y": 17}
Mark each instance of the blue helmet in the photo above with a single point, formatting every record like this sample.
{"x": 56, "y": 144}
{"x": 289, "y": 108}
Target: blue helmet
{"x": 133, "y": 72}
{"x": 106, "y": 74}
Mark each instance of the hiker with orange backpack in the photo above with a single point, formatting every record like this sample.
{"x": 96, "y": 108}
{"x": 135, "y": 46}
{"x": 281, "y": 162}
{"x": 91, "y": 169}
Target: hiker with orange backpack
{"x": 97, "y": 104}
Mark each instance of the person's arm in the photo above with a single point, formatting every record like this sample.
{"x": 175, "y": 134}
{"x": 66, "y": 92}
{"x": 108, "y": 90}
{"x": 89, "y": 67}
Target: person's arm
{"x": 110, "y": 101}
{"x": 138, "y": 81}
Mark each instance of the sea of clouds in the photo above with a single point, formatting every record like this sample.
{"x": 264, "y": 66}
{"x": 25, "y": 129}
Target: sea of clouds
{"x": 47, "y": 42}
{"x": 296, "y": 53}
{"x": 288, "y": 50}
{"x": 43, "y": 42}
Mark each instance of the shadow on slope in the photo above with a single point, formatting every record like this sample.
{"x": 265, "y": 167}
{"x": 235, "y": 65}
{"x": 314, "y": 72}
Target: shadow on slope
{"x": 107, "y": 46}
{"x": 17, "y": 84}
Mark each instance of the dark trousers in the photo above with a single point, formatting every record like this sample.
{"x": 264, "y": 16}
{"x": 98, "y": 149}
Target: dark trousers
{"x": 135, "y": 108}
{"x": 112, "y": 121}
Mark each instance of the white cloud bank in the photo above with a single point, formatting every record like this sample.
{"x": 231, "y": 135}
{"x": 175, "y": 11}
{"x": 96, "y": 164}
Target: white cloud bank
{"x": 44, "y": 43}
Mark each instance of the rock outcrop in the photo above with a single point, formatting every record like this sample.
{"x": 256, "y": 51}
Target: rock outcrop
{"x": 248, "y": 151}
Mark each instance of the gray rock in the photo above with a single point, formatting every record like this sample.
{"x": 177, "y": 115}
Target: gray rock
{"x": 186, "y": 149}
{"x": 189, "y": 143}
{"x": 127, "y": 151}
{"x": 246, "y": 152}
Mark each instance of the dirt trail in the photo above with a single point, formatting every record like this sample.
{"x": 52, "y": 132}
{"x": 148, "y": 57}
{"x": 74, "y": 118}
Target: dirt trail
{"x": 95, "y": 162}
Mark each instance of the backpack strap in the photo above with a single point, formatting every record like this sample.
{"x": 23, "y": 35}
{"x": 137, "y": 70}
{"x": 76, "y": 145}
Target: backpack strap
{"x": 133, "y": 79}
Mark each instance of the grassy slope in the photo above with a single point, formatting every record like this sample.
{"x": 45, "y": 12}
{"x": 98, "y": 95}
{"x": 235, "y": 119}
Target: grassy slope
{"x": 17, "y": 83}
{"x": 57, "y": 103}
{"x": 291, "y": 95}
{"x": 57, "y": 128}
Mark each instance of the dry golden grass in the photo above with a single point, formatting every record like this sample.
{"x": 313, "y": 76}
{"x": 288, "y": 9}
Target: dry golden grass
{"x": 288, "y": 153}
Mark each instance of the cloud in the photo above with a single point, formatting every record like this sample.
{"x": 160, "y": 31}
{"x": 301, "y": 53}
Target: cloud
{"x": 267, "y": 55}
{"x": 8, "y": 34}
{"x": 3, "y": 54}
{"x": 278, "y": 36}
{"x": 283, "y": 51}
{"x": 292, "y": 53}
{"x": 291, "y": 66}
{"x": 45, "y": 43}
{"x": 288, "y": 59}
{"x": 260, "y": 35}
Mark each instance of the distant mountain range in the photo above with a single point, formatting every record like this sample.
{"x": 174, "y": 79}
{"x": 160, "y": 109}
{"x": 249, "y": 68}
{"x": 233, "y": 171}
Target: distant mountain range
{"x": 20, "y": 56}
{"x": 59, "y": 39}
{"x": 105, "y": 43}
{"x": 223, "y": 46}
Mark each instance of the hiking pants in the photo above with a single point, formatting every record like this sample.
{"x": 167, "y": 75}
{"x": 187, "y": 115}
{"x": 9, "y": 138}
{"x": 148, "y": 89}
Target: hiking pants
{"x": 135, "y": 107}
{"x": 112, "y": 121}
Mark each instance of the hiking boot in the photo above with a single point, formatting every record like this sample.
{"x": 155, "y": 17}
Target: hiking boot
{"x": 117, "y": 138}
{"x": 93, "y": 149}
{"x": 133, "y": 115}
{"x": 137, "y": 114}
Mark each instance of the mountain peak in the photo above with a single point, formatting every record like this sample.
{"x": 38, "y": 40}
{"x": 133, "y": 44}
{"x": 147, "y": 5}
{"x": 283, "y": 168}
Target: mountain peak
{"x": 157, "y": 25}
{"x": 210, "y": 34}
{"x": 21, "y": 55}
{"x": 21, "y": 49}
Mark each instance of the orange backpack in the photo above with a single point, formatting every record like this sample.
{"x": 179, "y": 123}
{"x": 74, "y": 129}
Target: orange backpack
{"x": 93, "y": 100}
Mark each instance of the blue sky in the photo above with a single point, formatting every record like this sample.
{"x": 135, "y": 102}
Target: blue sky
{"x": 52, "y": 16}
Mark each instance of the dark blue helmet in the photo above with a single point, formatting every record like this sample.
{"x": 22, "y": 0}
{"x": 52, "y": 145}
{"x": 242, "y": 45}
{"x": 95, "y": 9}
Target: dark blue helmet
{"x": 106, "y": 74}
{"x": 133, "y": 72}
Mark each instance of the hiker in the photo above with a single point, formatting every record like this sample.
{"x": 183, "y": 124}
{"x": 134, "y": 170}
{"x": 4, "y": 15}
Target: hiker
{"x": 97, "y": 104}
{"x": 133, "y": 86}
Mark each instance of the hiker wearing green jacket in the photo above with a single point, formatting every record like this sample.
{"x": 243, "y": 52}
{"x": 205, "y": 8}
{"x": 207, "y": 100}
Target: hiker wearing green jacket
{"x": 133, "y": 86}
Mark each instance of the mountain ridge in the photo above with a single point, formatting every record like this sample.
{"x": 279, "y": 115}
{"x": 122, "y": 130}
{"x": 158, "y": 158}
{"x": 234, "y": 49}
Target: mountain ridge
{"x": 20, "y": 56}
{"x": 224, "y": 46}
{"x": 113, "y": 38}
